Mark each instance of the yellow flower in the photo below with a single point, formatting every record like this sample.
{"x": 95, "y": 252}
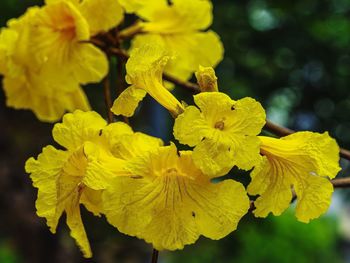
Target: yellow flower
{"x": 67, "y": 178}
{"x": 144, "y": 73}
{"x": 57, "y": 33}
{"x": 26, "y": 84}
{"x": 302, "y": 162}
{"x": 179, "y": 27}
{"x": 171, "y": 203}
{"x": 223, "y": 131}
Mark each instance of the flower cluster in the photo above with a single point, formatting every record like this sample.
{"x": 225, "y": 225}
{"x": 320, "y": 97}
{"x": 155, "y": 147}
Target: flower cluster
{"x": 144, "y": 187}
{"x": 166, "y": 196}
{"x": 47, "y": 54}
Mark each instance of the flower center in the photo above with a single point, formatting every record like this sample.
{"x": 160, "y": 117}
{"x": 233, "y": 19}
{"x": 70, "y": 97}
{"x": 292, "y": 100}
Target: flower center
{"x": 171, "y": 172}
{"x": 220, "y": 125}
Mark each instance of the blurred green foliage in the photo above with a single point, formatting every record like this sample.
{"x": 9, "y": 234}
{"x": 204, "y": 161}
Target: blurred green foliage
{"x": 275, "y": 239}
{"x": 293, "y": 56}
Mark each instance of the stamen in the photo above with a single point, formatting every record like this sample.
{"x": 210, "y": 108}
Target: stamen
{"x": 219, "y": 125}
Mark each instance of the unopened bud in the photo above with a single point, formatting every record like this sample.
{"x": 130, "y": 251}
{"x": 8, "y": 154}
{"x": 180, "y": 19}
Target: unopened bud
{"x": 207, "y": 79}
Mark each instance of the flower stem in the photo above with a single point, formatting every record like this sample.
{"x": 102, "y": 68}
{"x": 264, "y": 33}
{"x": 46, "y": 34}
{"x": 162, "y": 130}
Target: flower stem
{"x": 155, "y": 254}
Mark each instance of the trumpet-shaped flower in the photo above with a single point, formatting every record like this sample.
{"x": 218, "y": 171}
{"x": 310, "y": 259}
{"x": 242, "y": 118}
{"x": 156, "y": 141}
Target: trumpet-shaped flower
{"x": 67, "y": 178}
{"x": 223, "y": 131}
{"x": 302, "y": 161}
{"x": 144, "y": 73}
{"x": 26, "y": 84}
{"x": 169, "y": 202}
{"x": 179, "y": 26}
{"x": 57, "y": 36}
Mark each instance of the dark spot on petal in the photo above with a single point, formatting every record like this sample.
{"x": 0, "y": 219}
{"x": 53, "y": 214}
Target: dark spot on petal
{"x": 203, "y": 139}
{"x": 229, "y": 149}
{"x": 233, "y": 107}
{"x": 193, "y": 214}
{"x": 100, "y": 133}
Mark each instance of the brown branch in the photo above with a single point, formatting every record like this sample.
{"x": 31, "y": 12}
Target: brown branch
{"x": 341, "y": 182}
{"x": 108, "y": 99}
{"x": 155, "y": 255}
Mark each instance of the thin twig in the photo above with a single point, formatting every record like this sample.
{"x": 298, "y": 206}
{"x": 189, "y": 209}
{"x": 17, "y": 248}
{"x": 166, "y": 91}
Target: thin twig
{"x": 108, "y": 99}
{"x": 155, "y": 254}
{"x": 341, "y": 182}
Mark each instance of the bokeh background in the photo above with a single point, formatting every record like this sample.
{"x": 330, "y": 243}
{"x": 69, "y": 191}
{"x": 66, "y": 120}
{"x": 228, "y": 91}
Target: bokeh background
{"x": 293, "y": 56}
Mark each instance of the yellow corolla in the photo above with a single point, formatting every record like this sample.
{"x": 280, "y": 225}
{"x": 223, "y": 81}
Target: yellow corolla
{"x": 26, "y": 84}
{"x": 144, "y": 73}
{"x": 169, "y": 202}
{"x": 303, "y": 162}
{"x": 67, "y": 178}
{"x": 223, "y": 131}
{"x": 180, "y": 26}
{"x": 57, "y": 41}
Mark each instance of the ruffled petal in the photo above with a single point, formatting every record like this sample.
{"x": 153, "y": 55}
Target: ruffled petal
{"x": 274, "y": 186}
{"x": 90, "y": 64}
{"x": 128, "y": 101}
{"x": 44, "y": 173}
{"x": 314, "y": 197}
{"x": 181, "y": 16}
{"x": 190, "y": 127}
{"x": 212, "y": 158}
{"x": 77, "y": 128}
{"x": 101, "y": 167}
{"x": 174, "y": 203}
{"x": 75, "y": 224}
{"x": 102, "y": 15}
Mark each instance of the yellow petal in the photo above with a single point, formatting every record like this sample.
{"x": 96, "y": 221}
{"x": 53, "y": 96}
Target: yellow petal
{"x": 174, "y": 203}
{"x": 92, "y": 200}
{"x": 89, "y": 64}
{"x": 190, "y": 127}
{"x": 101, "y": 167}
{"x": 181, "y": 16}
{"x": 76, "y": 226}
{"x": 44, "y": 173}
{"x": 77, "y": 128}
{"x": 128, "y": 101}
{"x": 194, "y": 49}
{"x": 314, "y": 198}
{"x": 212, "y": 158}
{"x": 125, "y": 144}
{"x": 102, "y": 15}
{"x": 132, "y": 5}
{"x": 274, "y": 188}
